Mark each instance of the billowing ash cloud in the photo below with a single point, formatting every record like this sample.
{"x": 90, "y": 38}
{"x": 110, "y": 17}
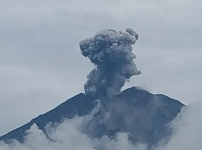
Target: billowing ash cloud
{"x": 111, "y": 52}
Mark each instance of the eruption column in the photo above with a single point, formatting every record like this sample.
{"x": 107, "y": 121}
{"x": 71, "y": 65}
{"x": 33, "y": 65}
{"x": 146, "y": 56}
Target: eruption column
{"x": 111, "y": 53}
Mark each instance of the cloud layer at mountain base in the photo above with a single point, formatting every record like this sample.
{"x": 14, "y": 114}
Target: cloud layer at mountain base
{"x": 187, "y": 134}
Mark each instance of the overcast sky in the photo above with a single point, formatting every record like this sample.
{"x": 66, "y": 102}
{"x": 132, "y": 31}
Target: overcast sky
{"x": 40, "y": 61}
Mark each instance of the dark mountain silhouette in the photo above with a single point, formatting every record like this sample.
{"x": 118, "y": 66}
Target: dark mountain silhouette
{"x": 144, "y": 115}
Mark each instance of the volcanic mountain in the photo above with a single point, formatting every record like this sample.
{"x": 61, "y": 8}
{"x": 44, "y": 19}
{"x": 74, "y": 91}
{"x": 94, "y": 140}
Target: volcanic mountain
{"x": 145, "y": 116}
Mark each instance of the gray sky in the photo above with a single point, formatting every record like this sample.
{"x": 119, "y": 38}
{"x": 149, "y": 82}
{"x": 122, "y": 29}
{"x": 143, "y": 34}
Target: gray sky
{"x": 40, "y": 61}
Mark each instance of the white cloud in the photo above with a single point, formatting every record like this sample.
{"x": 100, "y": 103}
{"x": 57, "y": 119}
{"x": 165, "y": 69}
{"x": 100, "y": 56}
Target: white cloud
{"x": 67, "y": 135}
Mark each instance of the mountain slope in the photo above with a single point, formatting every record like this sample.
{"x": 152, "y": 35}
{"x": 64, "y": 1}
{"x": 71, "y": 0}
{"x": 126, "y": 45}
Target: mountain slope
{"x": 144, "y": 115}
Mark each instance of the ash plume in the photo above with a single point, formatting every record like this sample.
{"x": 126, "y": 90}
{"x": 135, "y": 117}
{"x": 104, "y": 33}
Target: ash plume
{"x": 111, "y": 53}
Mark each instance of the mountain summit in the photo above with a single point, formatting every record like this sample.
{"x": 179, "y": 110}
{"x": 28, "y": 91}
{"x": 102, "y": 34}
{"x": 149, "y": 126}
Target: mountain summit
{"x": 145, "y": 116}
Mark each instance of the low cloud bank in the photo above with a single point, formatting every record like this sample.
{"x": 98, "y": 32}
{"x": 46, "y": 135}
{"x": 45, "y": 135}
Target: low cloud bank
{"x": 187, "y": 135}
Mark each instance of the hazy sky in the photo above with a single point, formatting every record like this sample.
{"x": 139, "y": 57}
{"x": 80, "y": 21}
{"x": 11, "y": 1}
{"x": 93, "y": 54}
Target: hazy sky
{"x": 41, "y": 65}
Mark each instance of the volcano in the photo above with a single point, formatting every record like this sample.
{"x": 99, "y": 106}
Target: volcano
{"x": 145, "y": 116}
{"x": 141, "y": 114}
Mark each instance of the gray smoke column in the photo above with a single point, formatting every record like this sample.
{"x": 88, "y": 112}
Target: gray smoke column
{"x": 111, "y": 52}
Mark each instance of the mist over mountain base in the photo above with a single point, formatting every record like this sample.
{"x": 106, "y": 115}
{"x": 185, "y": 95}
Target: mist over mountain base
{"x": 187, "y": 134}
